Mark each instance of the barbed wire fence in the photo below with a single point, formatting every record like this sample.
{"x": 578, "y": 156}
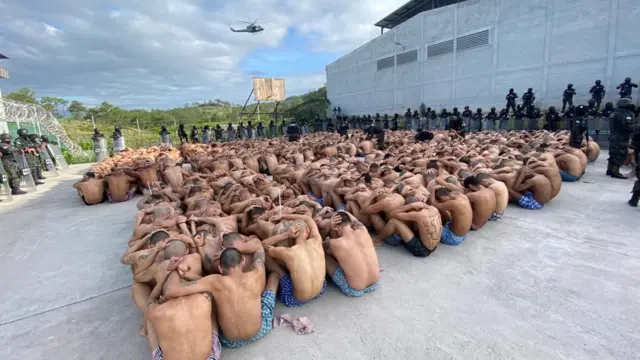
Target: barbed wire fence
{"x": 19, "y": 112}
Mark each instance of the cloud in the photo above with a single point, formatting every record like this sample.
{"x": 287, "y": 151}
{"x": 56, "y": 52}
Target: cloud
{"x": 166, "y": 53}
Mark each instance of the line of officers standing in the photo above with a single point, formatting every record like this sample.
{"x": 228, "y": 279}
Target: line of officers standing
{"x": 22, "y": 153}
{"x": 218, "y": 133}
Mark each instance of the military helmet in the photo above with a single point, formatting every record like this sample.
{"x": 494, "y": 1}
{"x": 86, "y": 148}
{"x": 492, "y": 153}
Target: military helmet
{"x": 5, "y": 136}
{"x": 598, "y": 82}
{"x": 625, "y": 103}
{"x": 591, "y": 102}
{"x": 511, "y": 90}
{"x": 33, "y": 136}
{"x": 530, "y": 89}
{"x": 455, "y": 109}
{"x": 627, "y": 79}
{"x": 479, "y": 110}
{"x": 570, "y": 86}
{"x": 493, "y": 109}
{"x": 581, "y": 110}
{"x": 23, "y": 132}
{"x": 609, "y": 105}
{"x": 44, "y": 138}
{"x": 552, "y": 109}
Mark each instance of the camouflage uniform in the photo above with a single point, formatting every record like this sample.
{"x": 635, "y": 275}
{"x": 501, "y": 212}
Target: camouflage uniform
{"x": 40, "y": 159}
{"x": 23, "y": 143}
{"x": 10, "y": 165}
{"x": 622, "y": 126}
{"x": 635, "y": 141}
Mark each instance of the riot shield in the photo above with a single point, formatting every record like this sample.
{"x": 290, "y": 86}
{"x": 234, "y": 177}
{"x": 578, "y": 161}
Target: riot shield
{"x": 48, "y": 162}
{"x": 603, "y": 136}
{"x": 100, "y": 149}
{"x": 206, "y": 137}
{"x": 27, "y": 177}
{"x": 165, "y": 139}
{"x": 5, "y": 189}
{"x": 283, "y": 129}
{"x": 592, "y": 123}
{"x": 118, "y": 144}
{"x": 533, "y": 124}
{"x": 57, "y": 157}
{"x": 504, "y": 124}
{"x": 519, "y": 124}
{"x": 475, "y": 125}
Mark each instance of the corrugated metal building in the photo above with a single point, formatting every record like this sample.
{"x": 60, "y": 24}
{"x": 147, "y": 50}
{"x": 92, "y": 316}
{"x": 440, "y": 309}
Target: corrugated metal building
{"x": 449, "y": 53}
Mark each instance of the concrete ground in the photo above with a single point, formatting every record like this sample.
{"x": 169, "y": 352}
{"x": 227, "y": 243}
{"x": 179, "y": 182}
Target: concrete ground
{"x": 559, "y": 283}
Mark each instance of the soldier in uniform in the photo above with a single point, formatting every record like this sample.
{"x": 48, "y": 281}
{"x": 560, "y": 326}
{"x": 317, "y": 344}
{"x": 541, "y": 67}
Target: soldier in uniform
{"x": 626, "y": 88}
{"x": 528, "y": 98}
{"x": 182, "y": 134}
{"x": 26, "y": 146}
{"x": 491, "y": 118}
{"x": 622, "y": 126}
{"x": 385, "y": 122}
{"x": 260, "y": 129}
{"x": 511, "y": 100}
{"x": 394, "y": 122}
{"x": 579, "y": 129}
{"x": 567, "y": 96}
{"x": 10, "y": 165}
{"x": 552, "y": 119}
{"x": 38, "y": 154}
{"x": 597, "y": 93}
{"x": 218, "y": 132}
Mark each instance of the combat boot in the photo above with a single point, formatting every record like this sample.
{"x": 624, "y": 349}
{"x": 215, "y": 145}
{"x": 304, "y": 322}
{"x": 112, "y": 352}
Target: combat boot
{"x": 614, "y": 171}
{"x": 38, "y": 182}
{"x": 636, "y": 194}
{"x": 17, "y": 191}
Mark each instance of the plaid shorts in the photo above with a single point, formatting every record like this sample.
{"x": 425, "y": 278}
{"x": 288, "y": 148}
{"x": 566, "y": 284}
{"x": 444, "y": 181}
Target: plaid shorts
{"x": 286, "y": 292}
{"x": 527, "y": 201}
{"x": 340, "y": 281}
{"x": 216, "y": 350}
{"x": 268, "y": 304}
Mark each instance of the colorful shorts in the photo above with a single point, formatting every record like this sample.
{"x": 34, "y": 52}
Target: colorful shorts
{"x": 449, "y": 238}
{"x": 127, "y": 197}
{"x": 568, "y": 177}
{"x": 285, "y": 293}
{"x": 528, "y": 202}
{"x": 343, "y": 285}
{"x": 216, "y": 351}
{"x": 268, "y": 302}
{"x": 495, "y": 216}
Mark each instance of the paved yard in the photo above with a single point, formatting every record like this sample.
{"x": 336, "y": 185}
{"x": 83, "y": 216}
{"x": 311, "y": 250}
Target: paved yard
{"x": 559, "y": 283}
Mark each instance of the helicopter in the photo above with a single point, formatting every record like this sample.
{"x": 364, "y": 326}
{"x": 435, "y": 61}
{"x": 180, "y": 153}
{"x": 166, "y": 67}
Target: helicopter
{"x": 251, "y": 28}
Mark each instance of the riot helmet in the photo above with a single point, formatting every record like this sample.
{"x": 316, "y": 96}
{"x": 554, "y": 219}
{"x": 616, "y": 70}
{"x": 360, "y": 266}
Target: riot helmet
{"x": 33, "y": 137}
{"x": 529, "y": 89}
{"x": 493, "y": 109}
{"x": 627, "y": 80}
{"x": 44, "y": 138}
{"x": 511, "y": 90}
{"x": 598, "y": 82}
{"x": 23, "y": 132}
{"x": 466, "y": 107}
{"x": 569, "y": 86}
{"x": 5, "y": 138}
{"x": 581, "y": 110}
{"x": 479, "y": 110}
{"x": 591, "y": 102}
{"x": 608, "y": 105}
{"x": 625, "y": 103}
{"x": 552, "y": 109}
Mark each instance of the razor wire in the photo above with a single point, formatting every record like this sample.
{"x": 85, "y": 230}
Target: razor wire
{"x": 16, "y": 111}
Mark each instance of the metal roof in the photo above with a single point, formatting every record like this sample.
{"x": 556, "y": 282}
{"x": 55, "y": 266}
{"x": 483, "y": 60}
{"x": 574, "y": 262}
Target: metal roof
{"x": 2, "y": 57}
{"x": 411, "y": 9}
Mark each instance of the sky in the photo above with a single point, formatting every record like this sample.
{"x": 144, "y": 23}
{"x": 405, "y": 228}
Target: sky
{"x": 166, "y": 53}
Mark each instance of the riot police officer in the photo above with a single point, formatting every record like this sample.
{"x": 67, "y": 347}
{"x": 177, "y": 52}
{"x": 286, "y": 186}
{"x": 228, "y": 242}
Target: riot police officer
{"x": 394, "y": 122}
{"x": 444, "y": 117}
{"x": 552, "y": 119}
{"x": 182, "y": 134}
{"x": 378, "y": 121}
{"x": 626, "y": 88}
{"x": 528, "y": 98}
{"x": 635, "y": 144}
{"x": 477, "y": 119}
{"x": 385, "y": 122}
{"x": 491, "y": 118}
{"x": 591, "y": 109}
{"x": 260, "y": 129}
{"x": 217, "y": 131}
{"x": 194, "y": 134}
{"x": 96, "y": 134}
{"x": 249, "y": 129}
{"x": 39, "y": 158}
{"x": 163, "y": 131}
{"x": 467, "y": 113}
{"x": 579, "y": 129}
{"x": 597, "y": 93}
{"x": 622, "y": 126}
{"x": 293, "y": 131}
{"x": 25, "y": 145}
{"x": 567, "y": 96}
{"x": 511, "y": 100}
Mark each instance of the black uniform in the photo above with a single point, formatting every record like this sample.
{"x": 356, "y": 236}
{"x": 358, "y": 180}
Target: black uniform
{"x": 553, "y": 118}
{"x": 597, "y": 93}
{"x": 626, "y": 88}
{"x": 511, "y": 100}
{"x": 579, "y": 129}
{"x": 182, "y": 134}
{"x": 394, "y": 122}
{"x": 528, "y": 98}
{"x": 622, "y": 126}
{"x": 567, "y": 96}
{"x": 293, "y": 132}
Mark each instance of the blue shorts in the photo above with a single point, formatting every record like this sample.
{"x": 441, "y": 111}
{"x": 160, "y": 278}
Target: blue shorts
{"x": 528, "y": 202}
{"x": 568, "y": 177}
{"x": 343, "y": 285}
{"x": 318, "y": 200}
{"x": 449, "y": 238}
{"x": 268, "y": 303}
{"x": 286, "y": 292}
{"x": 495, "y": 216}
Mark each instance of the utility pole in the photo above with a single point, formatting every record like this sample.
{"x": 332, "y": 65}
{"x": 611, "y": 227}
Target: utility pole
{"x": 93, "y": 121}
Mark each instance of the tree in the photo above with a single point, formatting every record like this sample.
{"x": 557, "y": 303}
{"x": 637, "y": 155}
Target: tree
{"x": 24, "y": 95}
{"x": 53, "y": 104}
{"x": 77, "y": 109}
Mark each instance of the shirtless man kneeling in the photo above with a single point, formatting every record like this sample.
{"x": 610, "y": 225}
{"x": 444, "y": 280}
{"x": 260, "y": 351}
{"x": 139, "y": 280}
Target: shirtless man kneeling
{"x": 90, "y": 189}
{"x": 483, "y": 202}
{"x": 351, "y": 259}
{"x": 416, "y": 225}
{"x": 244, "y": 303}
{"x": 499, "y": 190}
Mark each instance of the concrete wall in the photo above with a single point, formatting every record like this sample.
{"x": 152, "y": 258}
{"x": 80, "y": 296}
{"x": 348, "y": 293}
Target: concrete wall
{"x": 543, "y": 44}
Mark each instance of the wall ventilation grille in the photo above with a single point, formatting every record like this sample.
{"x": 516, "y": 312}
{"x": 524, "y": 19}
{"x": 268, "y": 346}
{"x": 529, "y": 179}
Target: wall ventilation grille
{"x": 473, "y": 41}
{"x": 407, "y": 57}
{"x": 439, "y": 49}
{"x": 386, "y": 63}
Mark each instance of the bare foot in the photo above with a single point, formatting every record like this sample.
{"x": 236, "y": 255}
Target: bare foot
{"x": 377, "y": 242}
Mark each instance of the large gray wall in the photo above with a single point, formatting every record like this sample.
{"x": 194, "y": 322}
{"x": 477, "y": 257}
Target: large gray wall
{"x": 543, "y": 44}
